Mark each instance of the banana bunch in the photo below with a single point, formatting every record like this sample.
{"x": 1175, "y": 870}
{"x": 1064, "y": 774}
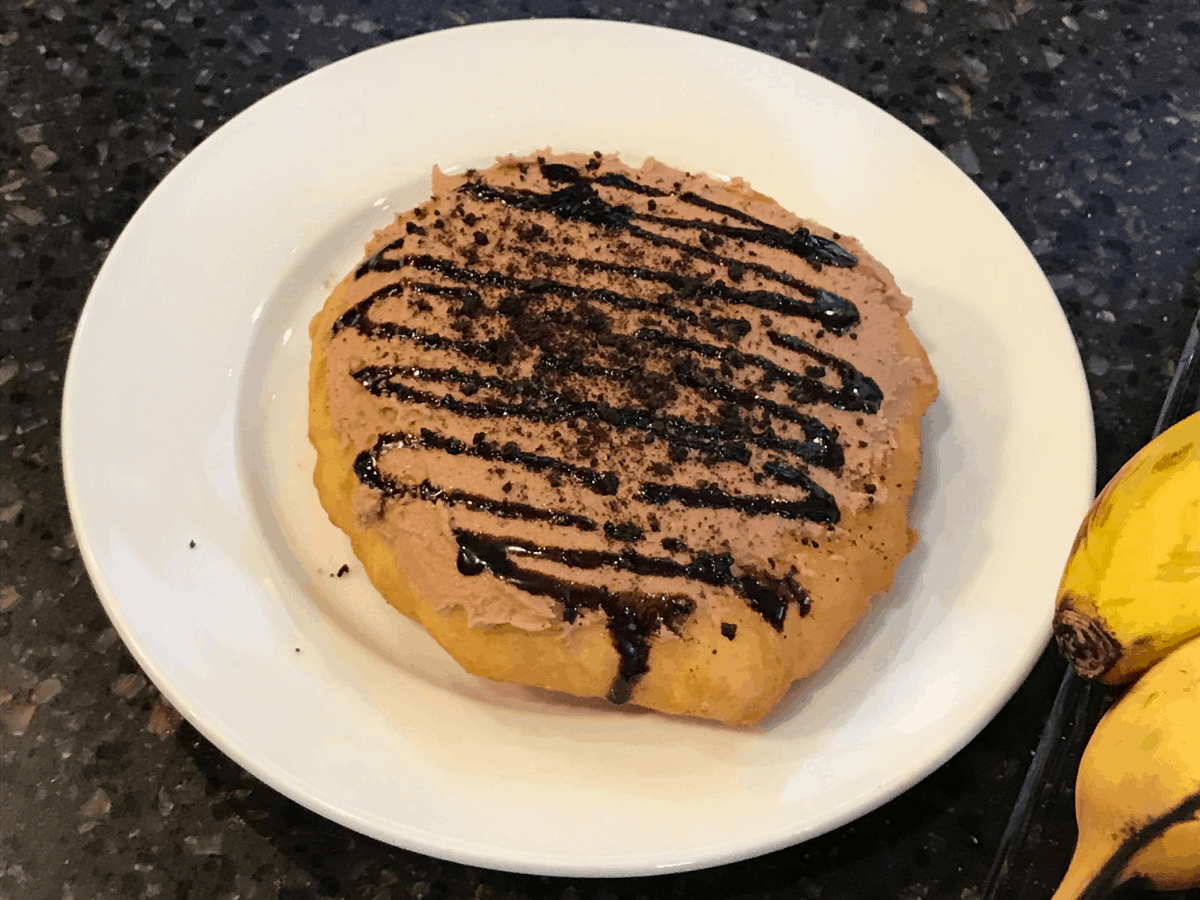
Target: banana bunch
{"x": 1131, "y": 590}
{"x": 1129, "y": 606}
{"x": 1137, "y": 798}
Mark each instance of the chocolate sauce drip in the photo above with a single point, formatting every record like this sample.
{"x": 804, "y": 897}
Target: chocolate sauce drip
{"x": 799, "y": 243}
{"x": 858, "y": 393}
{"x": 522, "y": 286}
{"x": 717, "y": 443}
{"x": 818, "y": 506}
{"x": 802, "y": 242}
{"x": 603, "y": 483}
{"x": 356, "y": 316}
{"x": 836, "y": 314}
{"x": 579, "y": 201}
{"x": 819, "y": 448}
{"x": 633, "y": 618}
{"x": 366, "y": 467}
{"x": 368, "y": 265}
{"x": 496, "y": 350}
{"x": 616, "y": 180}
{"x": 772, "y": 602}
{"x": 560, "y": 172}
{"x": 767, "y": 595}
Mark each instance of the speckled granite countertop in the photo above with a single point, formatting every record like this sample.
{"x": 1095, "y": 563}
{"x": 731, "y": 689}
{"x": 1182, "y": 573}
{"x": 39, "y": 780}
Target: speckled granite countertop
{"x": 1080, "y": 121}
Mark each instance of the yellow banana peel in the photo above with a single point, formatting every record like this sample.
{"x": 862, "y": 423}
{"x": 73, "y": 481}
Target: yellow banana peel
{"x": 1130, "y": 592}
{"x": 1137, "y": 797}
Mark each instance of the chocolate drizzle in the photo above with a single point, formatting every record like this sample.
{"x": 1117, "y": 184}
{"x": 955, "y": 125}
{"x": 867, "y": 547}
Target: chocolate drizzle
{"x": 366, "y": 467}
{"x": 550, "y": 351}
{"x": 579, "y": 201}
{"x": 818, "y": 506}
{"x": 717, "y": 569}
{"x": 604, "y": 483}
{"x": 632, "y": 618}
{"x": 717, "y": 443}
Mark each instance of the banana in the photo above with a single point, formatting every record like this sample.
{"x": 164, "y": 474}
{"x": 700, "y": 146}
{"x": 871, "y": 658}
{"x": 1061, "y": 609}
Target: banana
{"x": 1130, "y": 592}
{"x": 1137, "y": 797}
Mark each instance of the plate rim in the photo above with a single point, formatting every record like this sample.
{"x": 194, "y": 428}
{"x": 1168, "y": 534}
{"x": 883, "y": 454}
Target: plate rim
{"x": 162, "y": 679}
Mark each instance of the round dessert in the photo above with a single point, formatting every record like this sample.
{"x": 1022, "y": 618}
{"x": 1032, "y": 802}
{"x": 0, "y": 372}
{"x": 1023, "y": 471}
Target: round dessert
{"x": 621, "y": 432}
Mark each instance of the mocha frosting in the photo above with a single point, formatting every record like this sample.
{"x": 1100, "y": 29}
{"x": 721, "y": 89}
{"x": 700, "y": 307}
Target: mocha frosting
{"x": 583, "y": 390}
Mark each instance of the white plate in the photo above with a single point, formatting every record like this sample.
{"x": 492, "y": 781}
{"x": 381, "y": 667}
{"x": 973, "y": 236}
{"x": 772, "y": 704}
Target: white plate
{"x": 184, "y": 420}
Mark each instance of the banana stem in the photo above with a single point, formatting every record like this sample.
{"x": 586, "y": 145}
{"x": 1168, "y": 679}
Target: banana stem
{"x": 1079, "y": 879}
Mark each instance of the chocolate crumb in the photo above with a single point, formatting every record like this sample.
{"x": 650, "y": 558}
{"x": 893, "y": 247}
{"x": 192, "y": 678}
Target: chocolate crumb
{"x": 192, "y": 545}
{"x": 343, "y": 570}
{"x": 729, "y": 630}
{"x": 627, "y": 532}
{"x": 481, "y": 239}
{"x": 472, "y": 303}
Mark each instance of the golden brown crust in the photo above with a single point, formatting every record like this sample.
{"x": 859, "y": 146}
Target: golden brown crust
{"x": 696, "y": 669}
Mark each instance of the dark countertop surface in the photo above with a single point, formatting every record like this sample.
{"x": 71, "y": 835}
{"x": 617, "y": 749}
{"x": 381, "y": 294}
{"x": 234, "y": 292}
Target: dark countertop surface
{"x": 1080, "y": 121}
